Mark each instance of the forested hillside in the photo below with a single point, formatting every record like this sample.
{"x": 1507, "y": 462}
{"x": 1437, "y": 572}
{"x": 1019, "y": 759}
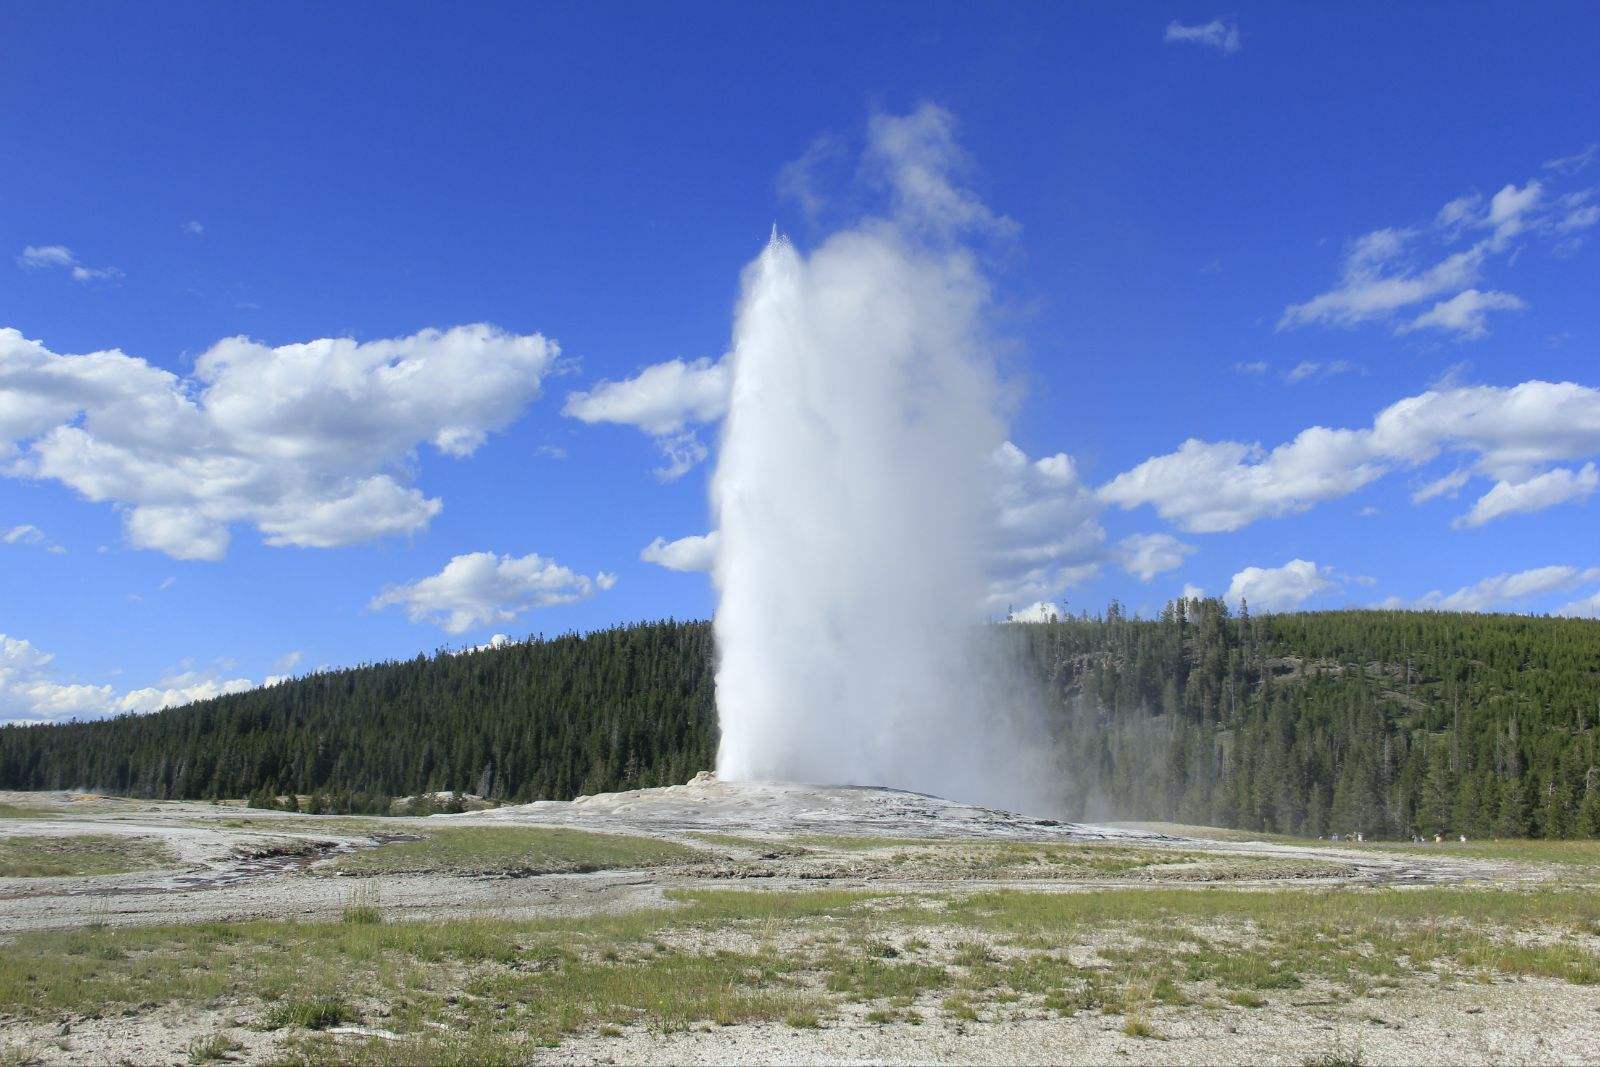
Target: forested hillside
{"x": 1384, "y": 723}
{"x": 623, "y": 707}
{"x": 1377, "y": 722}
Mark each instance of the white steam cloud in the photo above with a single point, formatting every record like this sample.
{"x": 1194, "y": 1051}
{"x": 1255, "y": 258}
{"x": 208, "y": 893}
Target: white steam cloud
{"x": 853, "y": 499}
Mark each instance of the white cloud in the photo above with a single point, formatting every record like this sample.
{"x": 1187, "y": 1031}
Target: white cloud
{"x": 480, "y": 588}
{"x": 1371, "y": 288}
{"x": 1573, "y": 163}
{"x": 1307, "y": 370}
{"x": 1559, "y": 486}
{"x": 1509, "y": 210}
{"x": 178, "y": 689}
{"x": 694, "y": 553}
{"x": 32, "y": 536}
{"x": 1192, "y": 591}
{"x": 1223, "y": 486}
{"x": 288, "y": 661}
{"x": 1280, "y": 588}
{"x": 1389, "y": 270}
{"x": 311, "y": 443}
{"x": 1039, "y": 611}
{"x": 1147, "y": 555}
{"x": 1514, "y": 434}
{"x": 29, "y": 692}
{"x": 1504, "y": 590}
{"x": 497, "y": 641}
{"x": 664, "y": 400}
{"x": 1463, "y": 314}
{"x": 1047, "y": 535}
{"x": 1448, "y": 485}
{"x": 1221, "y": 34}
{"x": 1258, "y": 366}
{"x": 1461, "y": 212}
{"x": 194, "y": 228}
{"x": 60, "y": 257}
{"x": 1579, "y": 218}
{"x": 682, "y": 452}
{"x": 1586, "y": 608}
{"x": 43, "y": 257}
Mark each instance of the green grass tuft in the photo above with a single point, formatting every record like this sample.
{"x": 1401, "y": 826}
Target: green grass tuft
{"x": 317, "y": 1013}
{"x": 212, "y": 1049}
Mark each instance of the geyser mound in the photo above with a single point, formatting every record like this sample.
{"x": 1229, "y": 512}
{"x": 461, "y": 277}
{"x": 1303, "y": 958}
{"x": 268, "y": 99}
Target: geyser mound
{"x": 713, "y": 805}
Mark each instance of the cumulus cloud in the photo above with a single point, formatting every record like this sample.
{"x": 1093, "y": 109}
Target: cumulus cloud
{"x": 1389, "y": 270}
{"x": 30, "y": 691}
{"x": 695, "y": 553}
{"x": 1280, "y": 588}
{"x": 1585, "y": 608}
{"x": 310, "y": 443}
{"x": 1221, "y": 34}
{"x": 1559, "y": 486}
{"x": 1147, "y": 555}
{"x": 1506, "y": 590}
{"x": 194, "y": 228}
{"x": 664, "y": 400}
{"x": 1047, "y": 535}
{"x": 1039, "y": 611}
{"x": 1222, "y": 486}
{"x": 60, "y": 257}
{"x": 1512, "y": 434}
{"x": 479, "y": 588}
{"x": 184, "y": 688}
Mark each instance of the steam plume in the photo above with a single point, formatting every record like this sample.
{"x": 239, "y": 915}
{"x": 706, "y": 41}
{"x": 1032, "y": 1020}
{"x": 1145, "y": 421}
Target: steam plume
{"x": 854, "y": 502}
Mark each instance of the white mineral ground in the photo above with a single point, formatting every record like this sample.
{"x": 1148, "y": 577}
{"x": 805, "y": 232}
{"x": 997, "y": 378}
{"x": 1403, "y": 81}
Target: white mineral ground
{"x": 260, "y": 870}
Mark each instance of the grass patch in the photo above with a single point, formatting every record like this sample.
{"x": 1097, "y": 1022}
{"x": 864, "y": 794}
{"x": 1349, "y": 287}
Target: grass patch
{"x": 316, "y": 1013}
{"x": 25, "y": 811}
{"x": 361, "y": 907}
{"x": 501, "y": 988}
{"x": 1584, "y": 855}
{"x": 212, "y": 1049}
{"x": 946, "y": 860}
{"x": 80, "y": 854}
{"x": 517, "y": 850}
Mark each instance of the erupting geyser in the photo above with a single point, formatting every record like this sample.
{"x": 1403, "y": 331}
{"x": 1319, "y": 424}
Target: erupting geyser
{"x": 853, "y": 497}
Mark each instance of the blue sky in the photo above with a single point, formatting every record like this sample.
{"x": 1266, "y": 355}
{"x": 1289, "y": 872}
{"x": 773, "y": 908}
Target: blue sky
{"x": 1231, "y": 228}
